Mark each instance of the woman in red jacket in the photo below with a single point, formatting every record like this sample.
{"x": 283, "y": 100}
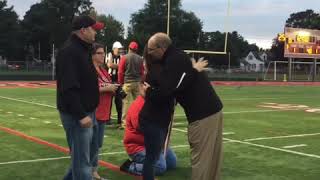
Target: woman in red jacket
{"x": 107, "y": 90}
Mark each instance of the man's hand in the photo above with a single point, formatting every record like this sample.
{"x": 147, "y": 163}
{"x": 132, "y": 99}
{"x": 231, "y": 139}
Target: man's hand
{"x": 200, "y": 65}
{"x": 144, "y": 88}
{"x": 86, "y": 122}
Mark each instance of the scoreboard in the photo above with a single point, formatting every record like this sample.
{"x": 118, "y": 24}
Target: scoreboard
{"x": 301, "y": 43}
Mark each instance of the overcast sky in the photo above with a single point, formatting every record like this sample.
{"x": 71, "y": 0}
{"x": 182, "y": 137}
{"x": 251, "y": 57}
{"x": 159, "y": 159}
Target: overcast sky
{"x": 258, "y": 21}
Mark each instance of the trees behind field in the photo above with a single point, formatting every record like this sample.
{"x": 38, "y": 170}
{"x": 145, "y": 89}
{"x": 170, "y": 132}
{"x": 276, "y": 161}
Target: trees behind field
{"x": 10, "y": 33}
{"x": 49, "y": 21}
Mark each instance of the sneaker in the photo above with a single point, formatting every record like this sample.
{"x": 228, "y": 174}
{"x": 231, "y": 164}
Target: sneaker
{"x": 125, "y": 166}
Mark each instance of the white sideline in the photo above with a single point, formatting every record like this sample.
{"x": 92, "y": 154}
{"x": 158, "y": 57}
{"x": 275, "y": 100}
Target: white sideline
{"x": 68, "y": 157}
{"x": 279, "y": 137}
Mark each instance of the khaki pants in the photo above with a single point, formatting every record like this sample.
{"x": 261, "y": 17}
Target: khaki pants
{"x": 132, "y": 90}
{"x": 205, "y": 138}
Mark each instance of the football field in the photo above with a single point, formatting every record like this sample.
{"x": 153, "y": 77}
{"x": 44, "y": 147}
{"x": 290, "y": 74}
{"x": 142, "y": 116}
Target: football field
{"x": 270, "y": 133}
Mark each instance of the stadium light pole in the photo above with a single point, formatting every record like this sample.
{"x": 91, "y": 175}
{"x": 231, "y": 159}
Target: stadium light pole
{"x": 53, "y": 62}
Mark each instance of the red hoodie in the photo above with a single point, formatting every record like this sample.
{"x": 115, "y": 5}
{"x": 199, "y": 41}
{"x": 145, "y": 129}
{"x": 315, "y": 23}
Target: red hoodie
{"x": 133, "y": 139}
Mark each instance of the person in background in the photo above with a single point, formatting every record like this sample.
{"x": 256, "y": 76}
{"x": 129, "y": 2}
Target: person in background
{"x": 112, "y": 61}
{"x": 130, "y": 73}
{"x": 107, "y": 90}
{"x": 78, "y": 95}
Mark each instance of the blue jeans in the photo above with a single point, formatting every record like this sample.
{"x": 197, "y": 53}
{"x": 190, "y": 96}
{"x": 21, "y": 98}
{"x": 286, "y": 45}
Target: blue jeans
{"x": 154, "y": 137}
{"x": 98, "y": 135}
{"x": 160, "y": 167}
{"x": 80, "y": 144}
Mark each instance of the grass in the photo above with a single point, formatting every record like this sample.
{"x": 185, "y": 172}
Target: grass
{"x": 244, "y": 119}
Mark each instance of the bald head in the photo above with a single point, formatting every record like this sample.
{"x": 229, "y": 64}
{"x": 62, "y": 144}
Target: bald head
{"x": 158, "y": 44}
{"x": 160, "y": 40}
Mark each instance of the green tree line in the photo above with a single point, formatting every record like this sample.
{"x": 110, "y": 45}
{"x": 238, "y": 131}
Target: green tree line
{"x": 49, "y": 22}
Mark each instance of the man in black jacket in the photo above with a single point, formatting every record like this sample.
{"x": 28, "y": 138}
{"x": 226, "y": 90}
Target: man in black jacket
{"x": 78, "y": 95}
{"x": 200, "y": 102}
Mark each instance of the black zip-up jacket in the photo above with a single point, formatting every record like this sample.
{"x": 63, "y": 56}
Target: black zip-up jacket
{"x": 156, "y": 112}
{"x": 77, "y": 84}
{"x": 191, "y": 88}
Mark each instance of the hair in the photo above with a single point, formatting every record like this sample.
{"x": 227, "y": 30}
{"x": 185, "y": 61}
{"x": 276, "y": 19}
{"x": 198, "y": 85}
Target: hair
{"x": 162, "y": 40}
{"x": 95, "y": 47}
{"x": 151, "y": 65}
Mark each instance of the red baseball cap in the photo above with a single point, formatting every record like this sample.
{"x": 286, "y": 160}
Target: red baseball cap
{"x": 133, "y": 45}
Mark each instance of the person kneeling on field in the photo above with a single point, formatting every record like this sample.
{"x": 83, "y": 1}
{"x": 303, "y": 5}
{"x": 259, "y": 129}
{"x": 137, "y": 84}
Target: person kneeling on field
{"x": 134, "y": 144}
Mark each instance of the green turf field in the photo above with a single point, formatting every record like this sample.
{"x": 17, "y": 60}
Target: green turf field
{"x": 261, "y": 143}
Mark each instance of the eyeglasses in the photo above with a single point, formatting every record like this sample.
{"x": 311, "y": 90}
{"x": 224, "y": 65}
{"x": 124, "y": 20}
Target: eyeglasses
{"x": 152, "y": 49}
{"x": 100, "y": 53}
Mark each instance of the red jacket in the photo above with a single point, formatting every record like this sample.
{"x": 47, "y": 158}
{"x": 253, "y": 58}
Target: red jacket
{"x": 133, "y": 139}
{"x": 105, "y": 98}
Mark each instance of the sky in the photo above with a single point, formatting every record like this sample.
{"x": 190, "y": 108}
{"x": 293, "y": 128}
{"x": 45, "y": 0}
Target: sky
{"x": 258, "y": 21}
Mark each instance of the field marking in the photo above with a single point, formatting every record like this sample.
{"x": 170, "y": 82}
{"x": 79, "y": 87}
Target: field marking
{"x": 274, "y": 148}
{"x": 294, "y": 146}
{"x": 176, "y": 115}
{"x": 68, "y": 157}
{"x": 34, "y": 160}
{"x": 267, "y": 98}
{"x": 263, "y": 146}
{"x": 56, "y": 147}
{"x": 280, "y": 137}
{"x": 182, "y": 130}
{"x": 40, "y": 104}
{"x": 238, "y": 112}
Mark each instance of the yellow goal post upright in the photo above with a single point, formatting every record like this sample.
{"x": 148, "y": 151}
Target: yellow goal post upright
{"x": 226, "y": 24}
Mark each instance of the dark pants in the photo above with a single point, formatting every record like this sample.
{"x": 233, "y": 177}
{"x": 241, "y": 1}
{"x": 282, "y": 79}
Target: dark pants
{"x": 154, "y": 137}
{"x": 117, "y": 100}
{"x": 118, "y": 103}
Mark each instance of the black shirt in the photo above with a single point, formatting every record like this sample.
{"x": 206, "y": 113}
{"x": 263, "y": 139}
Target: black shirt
{"x": 77, "y": 84}
{"x": 157, "y": 112}
{"x": 191, "y": 88}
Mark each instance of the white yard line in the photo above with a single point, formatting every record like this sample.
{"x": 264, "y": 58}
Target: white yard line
{"x": 68, "y": 157}
{"x": 182, "y": 130}
{"x": 280, "y": 137}
{"x": 274, "y": 148}
{"x": 13, "y": 99}
{"x": 113, "y": 116}
{"x": 263, "y": 146}
{"x": 34, "y": 160}
{"x": 238, "y": 112}
{"x": 267, "y": 98}
{"x": 228, "y": 133}
{"x": 294, "y": 146}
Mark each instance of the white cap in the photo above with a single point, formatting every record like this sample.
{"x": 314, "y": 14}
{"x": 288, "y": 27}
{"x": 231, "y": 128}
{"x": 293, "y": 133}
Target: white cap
{"x": 117, "y": 44}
